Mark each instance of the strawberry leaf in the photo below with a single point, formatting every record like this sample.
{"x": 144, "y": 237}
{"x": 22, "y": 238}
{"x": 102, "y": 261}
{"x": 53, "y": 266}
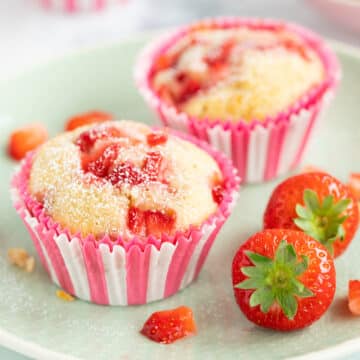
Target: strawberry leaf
{"x": 276, "y": 280}
{"x": 322, "y": 220}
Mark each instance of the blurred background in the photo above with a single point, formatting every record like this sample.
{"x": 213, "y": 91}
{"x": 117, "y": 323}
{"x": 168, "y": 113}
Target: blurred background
{"x": 32, "y": 31}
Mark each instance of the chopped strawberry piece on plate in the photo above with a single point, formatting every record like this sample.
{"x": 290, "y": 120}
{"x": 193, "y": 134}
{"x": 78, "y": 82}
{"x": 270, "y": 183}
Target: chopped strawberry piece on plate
{"x": 26, "y": 139}
{"x": 167, "y": 326}
{"x": 88, "y": 118}
{"x": 354, "y": 296}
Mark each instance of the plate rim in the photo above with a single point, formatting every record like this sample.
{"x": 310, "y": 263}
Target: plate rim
{"x": 28, "y": 348}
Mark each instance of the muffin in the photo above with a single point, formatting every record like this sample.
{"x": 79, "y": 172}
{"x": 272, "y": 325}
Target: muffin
{"x": 252, "y": 88}
{"x": 121, "y": 214}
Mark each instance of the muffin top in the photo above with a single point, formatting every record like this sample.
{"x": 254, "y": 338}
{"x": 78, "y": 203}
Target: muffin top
{"x": 124, "y": 179}
{"x": 236, "y": 73}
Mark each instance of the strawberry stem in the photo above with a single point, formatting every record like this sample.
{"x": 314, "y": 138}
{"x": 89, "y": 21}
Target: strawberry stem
{"x": 275, "y": 280}
{"x": 322, "y": 221}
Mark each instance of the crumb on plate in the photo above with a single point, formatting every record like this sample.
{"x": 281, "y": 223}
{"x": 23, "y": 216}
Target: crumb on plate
{"x": 20, "y": 258}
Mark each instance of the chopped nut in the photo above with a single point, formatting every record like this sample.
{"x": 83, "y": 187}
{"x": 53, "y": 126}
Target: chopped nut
{"x": 20, "y": 258}
{"x": 30, "y": 264}
{"x": 63, "y": 295}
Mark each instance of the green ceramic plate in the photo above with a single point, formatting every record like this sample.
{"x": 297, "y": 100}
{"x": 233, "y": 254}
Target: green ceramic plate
{"x": 35, "y": 322}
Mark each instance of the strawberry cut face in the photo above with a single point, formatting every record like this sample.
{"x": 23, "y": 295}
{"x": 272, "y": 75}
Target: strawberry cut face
{"x": 88, "y": 138}
{"x": 156, "y": 138}
{"x": 126, "y": 173}
{"x": 218, "y": 193}
{"x": 152, "y": 165}
{"x": 151, "y": 222}
{"x": 168, "y": 326}
{"x": 354, "y": 297}
{"x": 101, "y": 164}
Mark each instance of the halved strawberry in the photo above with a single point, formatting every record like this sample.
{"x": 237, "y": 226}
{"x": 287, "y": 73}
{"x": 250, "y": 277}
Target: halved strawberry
{"x": 354, "y": 296}
{"x": 167, "y": 326}
{"x": 283, "y": 279}
{"x": 87, "y": 118}
{"x": 26, "y": 139}
{"x": 317, "y": 204}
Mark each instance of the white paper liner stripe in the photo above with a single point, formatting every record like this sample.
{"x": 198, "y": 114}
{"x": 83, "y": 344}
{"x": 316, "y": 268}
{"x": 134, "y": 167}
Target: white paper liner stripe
{"x": 220, "y": 139}
{"x": 158, "y": 270}
{"x": 73, "y": 259}
{"x": 190, "y": 271}
{"x": 257, "y": 154}
{"x": 293, "y": 139}
{"x": 115, "y": 274}
{"x": 32, "y": 222}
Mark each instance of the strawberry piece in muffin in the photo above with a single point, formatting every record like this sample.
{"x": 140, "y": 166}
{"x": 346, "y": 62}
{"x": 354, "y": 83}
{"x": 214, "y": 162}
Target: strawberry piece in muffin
{"x": 236, "y": 73}
{"x": 124, "y": 179}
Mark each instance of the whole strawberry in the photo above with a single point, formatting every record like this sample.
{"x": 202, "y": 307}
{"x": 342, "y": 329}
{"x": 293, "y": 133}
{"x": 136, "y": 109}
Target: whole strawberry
{"x": 317, "y": 204}
{"x": 283, "y": 279}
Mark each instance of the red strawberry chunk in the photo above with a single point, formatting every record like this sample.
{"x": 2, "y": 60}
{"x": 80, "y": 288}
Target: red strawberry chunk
{"x": 88, "y": 138}
{"x": 136, "y": 221}
{"x": 156, "y": 138}
{"x": 101, "y": 165}
{"x": 167, "y": 326}
{"x": 218, "y": 193}
{"x": 220, "y": 55}
{"x": 296, "y": 47}
{"x": 126, "y": 173}
{"x": 150, "y": 222}
{"x": 354, "y": 296}
{"x": 158, "y": 222}
{"x": 189, "y": 86}
{"x": 152, "y": 165}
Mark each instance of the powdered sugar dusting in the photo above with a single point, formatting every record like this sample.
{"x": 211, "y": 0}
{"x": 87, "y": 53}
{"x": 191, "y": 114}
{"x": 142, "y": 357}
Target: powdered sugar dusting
{"x": 170, "y": 177}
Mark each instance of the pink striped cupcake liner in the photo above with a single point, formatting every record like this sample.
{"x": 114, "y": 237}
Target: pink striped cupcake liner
{"x": 112, "y": 272}
{"x": 73, "y": 6}
{"x": 262, "y": 150}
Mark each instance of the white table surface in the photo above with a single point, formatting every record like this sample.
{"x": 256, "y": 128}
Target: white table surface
{"x": 30, "y": 35}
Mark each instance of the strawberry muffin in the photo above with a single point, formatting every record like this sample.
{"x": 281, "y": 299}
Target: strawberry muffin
{"x": 253, "y": 88}
{"x": 121, "y": 213}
